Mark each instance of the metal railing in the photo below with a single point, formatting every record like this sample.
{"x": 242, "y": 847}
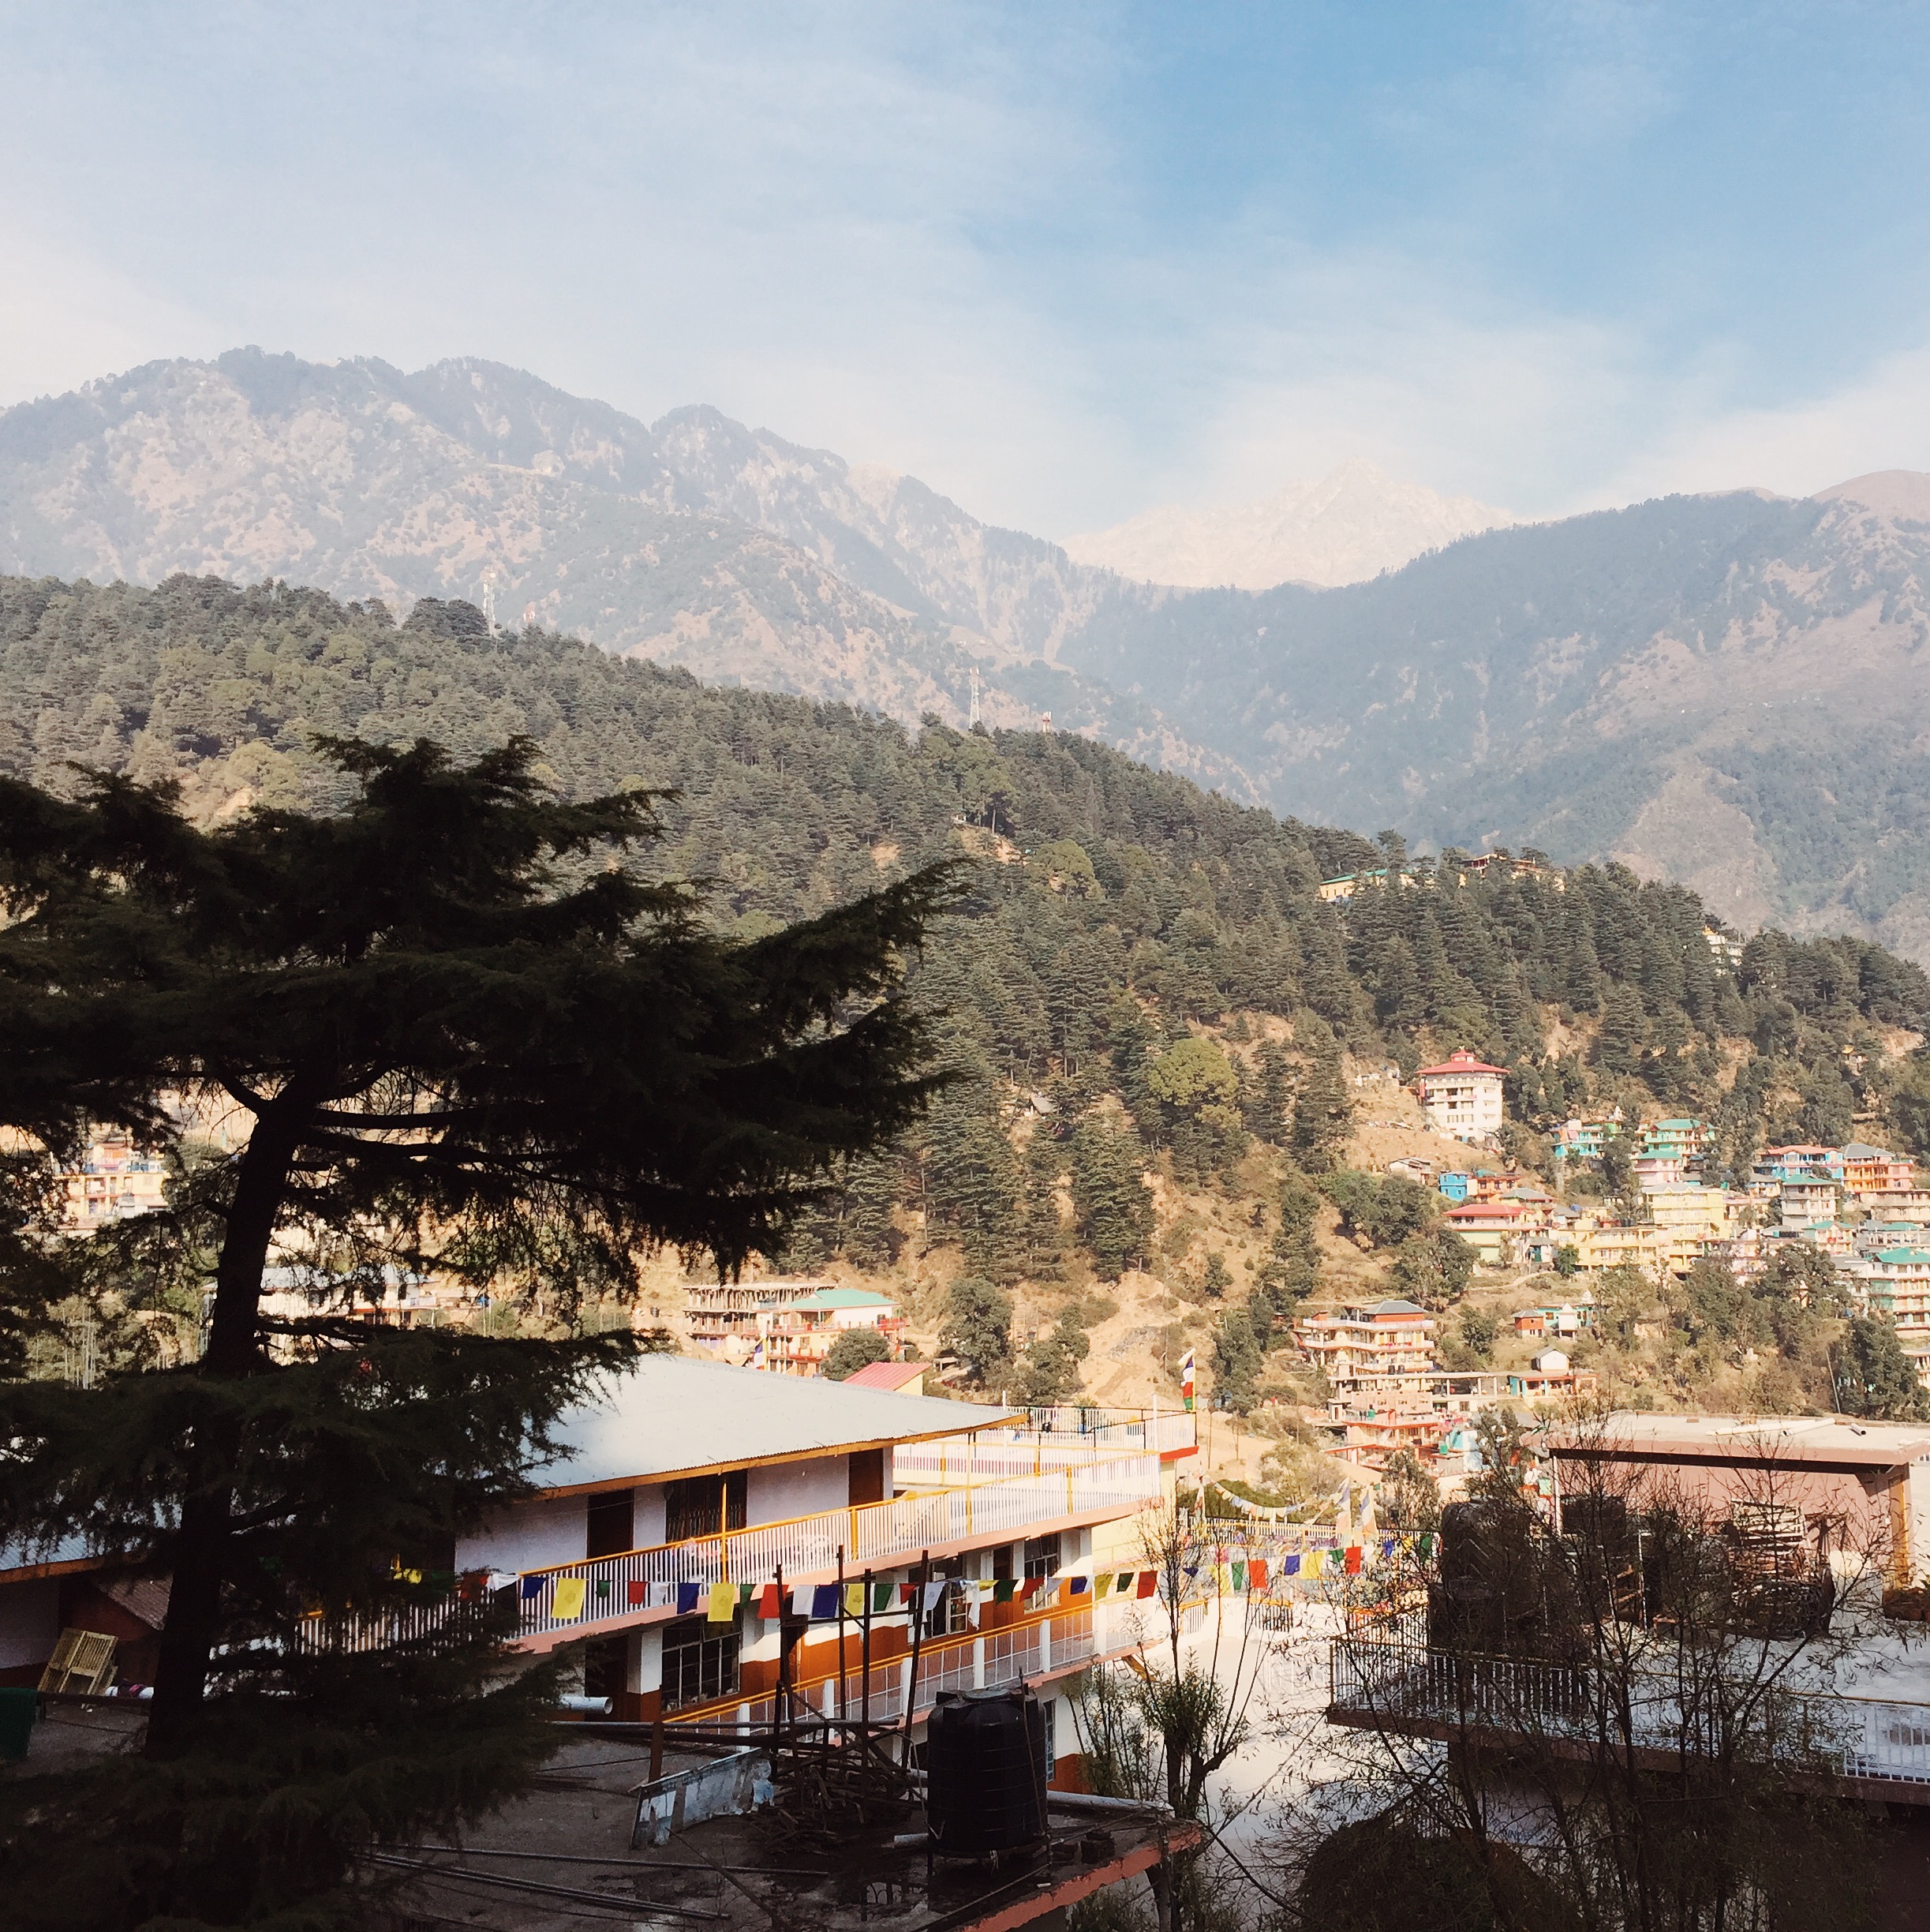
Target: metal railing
{"x": 1398, "y": 1682}
{"x": 986, "y": 1662}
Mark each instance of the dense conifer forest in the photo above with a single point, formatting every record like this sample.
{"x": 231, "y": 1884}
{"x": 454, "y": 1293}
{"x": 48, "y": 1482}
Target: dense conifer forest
{"x": 1142, "y": 978}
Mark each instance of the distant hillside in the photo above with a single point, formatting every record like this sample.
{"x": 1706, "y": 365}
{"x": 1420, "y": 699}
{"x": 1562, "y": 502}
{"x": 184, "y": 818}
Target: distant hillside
{"x": 696, "y": 542}
{"x": 1153, "y": 1014}
{"x": 1343, "y": 528}
{"x": 1724, "y": 690}
{"x": 1720, "y": 689}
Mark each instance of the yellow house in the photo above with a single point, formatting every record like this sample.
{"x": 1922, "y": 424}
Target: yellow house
{"x": 1687, "y": 1219}
{"x": 1639, "y": 1243}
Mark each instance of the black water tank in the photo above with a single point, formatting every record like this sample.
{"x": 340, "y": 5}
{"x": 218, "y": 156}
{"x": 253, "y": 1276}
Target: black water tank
{"x": 987, "y": 1771}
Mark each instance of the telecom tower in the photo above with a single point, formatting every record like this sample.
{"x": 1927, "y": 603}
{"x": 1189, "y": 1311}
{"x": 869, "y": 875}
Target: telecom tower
{"x": 974, "y": 694}
{"x": 489, "y": 596}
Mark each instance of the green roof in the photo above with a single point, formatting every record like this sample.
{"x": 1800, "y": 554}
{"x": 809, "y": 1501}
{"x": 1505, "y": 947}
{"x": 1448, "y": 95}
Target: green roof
{"x": 1901, "y": 1254}
{"x": 843, "y": 1297}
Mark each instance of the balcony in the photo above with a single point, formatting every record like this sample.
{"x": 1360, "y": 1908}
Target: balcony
{"x": 982, "y": 1500}
{"x": 1859, "y": 1744}
{"x": 873, "y": 1536}
{"x": 1043, "y": 1647}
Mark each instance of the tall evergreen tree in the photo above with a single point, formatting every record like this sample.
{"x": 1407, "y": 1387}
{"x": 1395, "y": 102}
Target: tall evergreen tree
{"x": 1323, "y": 1109}
{"x": 1108, "y": 1194}
{"x": 458, "y": 1030}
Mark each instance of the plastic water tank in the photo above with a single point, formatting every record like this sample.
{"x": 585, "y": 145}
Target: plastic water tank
{"x": 986, "y": 1772}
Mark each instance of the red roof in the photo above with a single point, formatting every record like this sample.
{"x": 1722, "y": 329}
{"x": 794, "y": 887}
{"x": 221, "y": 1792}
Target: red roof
{"x": 886, "y": 1375}
{"x": 1462, "y": 1062}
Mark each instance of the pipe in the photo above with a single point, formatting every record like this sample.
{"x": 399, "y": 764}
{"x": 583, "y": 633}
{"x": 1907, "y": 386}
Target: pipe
{"x": 587, "y": 1706}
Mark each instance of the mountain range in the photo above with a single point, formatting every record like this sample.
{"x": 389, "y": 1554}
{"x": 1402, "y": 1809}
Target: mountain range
{"x": 1349, "y": 525}
{"x": 1723, "y": 688}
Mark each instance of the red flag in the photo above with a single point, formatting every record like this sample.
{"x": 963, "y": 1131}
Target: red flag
{"x": 1256, "y": 1572}
{"x": 639, "y": 1594}
{"x": 1149, "y": 1582}
{"x": 770, "y": 1604}
{"x": 1353, "y": 1560}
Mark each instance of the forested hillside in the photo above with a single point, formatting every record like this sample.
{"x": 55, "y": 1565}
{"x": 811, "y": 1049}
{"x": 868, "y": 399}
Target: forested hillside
{"x": 1155, "y": 1021}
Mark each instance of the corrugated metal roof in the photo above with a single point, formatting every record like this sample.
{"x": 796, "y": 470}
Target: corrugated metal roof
{"x": 671, "y": 1416}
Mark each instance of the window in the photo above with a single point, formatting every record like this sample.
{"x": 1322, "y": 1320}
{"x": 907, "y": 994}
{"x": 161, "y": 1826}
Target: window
{"x": 1041, "y": 1557}
{"x": 947, "y": 1617}
{"x": 702, "y": 1506}
{"x": 700, "y": 1662}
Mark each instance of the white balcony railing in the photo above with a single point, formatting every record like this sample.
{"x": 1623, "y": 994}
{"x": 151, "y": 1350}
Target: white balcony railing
{"x": 990, "y": 1662}
{"x": 1399, "y": 1684}
{"x": 1050, "y": 1439}
{"x": 873, "y": 1536}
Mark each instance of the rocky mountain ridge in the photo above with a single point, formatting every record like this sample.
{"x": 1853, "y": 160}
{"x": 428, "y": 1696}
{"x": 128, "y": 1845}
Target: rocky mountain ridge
{"x": 1720, "y": 688}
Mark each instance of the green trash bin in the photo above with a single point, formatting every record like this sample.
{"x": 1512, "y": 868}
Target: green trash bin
{"x": 18, "y": 1705}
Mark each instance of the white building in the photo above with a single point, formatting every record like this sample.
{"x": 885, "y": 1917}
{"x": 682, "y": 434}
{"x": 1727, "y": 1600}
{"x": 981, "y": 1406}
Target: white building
{"x": 1462, "y": 1097}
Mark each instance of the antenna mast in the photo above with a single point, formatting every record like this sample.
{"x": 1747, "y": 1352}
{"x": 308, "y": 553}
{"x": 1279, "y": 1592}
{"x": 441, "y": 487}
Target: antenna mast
{"x": 974, "y": 694}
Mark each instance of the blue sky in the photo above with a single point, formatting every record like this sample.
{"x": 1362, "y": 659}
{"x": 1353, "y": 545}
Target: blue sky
{"x": 1062, "y": 262}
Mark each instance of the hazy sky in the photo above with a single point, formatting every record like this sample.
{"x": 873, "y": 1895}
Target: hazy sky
{"x": 1064, "y": 262}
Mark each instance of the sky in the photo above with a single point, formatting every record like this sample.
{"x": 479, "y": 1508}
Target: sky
{"x": 1063, "y": 263}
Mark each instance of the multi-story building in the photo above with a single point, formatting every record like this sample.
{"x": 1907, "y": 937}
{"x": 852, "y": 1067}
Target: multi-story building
{"x": 1869, "y": 1170}
{"x": 1494, "y": 1230}
{"x": 1375, "y": 1345}
{"x": 1689, "y": 1218}
{"x": 1625, "y": 1244}
{"x": 1776, "y": 1166}
{"x": 695, "y": 1536}
{"x": 722, "y": 1319}
{"x": 1584, "y": 1139}
{"x": 799, "y": 1336}
{"x": 1895, "y": 1283}
{"x": 1811, "y": 1201}
{"x": 113, "y": 1180}
{"x": 1682, "y": 1136}
{"x": 1462, "y": 1097}
{"x": 1801, "y": 1502}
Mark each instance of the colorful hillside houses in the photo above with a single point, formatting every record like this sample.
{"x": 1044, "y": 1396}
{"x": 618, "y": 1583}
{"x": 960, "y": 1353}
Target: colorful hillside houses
{"x": 1462, "y": 1096}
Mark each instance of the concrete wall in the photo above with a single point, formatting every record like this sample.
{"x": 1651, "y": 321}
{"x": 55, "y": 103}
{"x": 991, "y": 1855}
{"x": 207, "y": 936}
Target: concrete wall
{"x": 531, "y": 1536}
{"x": 789, "y": 1489}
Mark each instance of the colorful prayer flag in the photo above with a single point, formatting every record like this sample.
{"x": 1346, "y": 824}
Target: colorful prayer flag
{"x": 1002, "y": 1590}
{"x": 603, "y": 1589}
{"x": 881, "y": 1594}
{"x": 687, "y": 1594}
{"x": 1316, "y": 1562}
{"x": 1239, "y": 1579}
{"x": 823, "y": 1602}
{"x": 1353, "y": 1560}
{"x": 1080, "y": 1585}
{"x": 854, "y": 1600}
{"x": 1149, "y": 1582}
{"x": 1256, "y": 1572}
{"x": 1124, "y": 1581}
{"x": 1103, "y": 1586}
{"x": 1292, "y": 1564}
{"x": 639, "y": 1594}
{"x": 531, "y": 1587}
{"x": 1186, "y": 1377}
{"x": 771, "y": 1603}
{"x": 723, "y": 1602}
{"x": 568, "y": 1601}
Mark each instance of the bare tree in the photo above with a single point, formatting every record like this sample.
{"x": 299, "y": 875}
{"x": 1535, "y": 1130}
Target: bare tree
{"x": 1621, "y": 1723}
{"x": 1163, "y": 1724}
